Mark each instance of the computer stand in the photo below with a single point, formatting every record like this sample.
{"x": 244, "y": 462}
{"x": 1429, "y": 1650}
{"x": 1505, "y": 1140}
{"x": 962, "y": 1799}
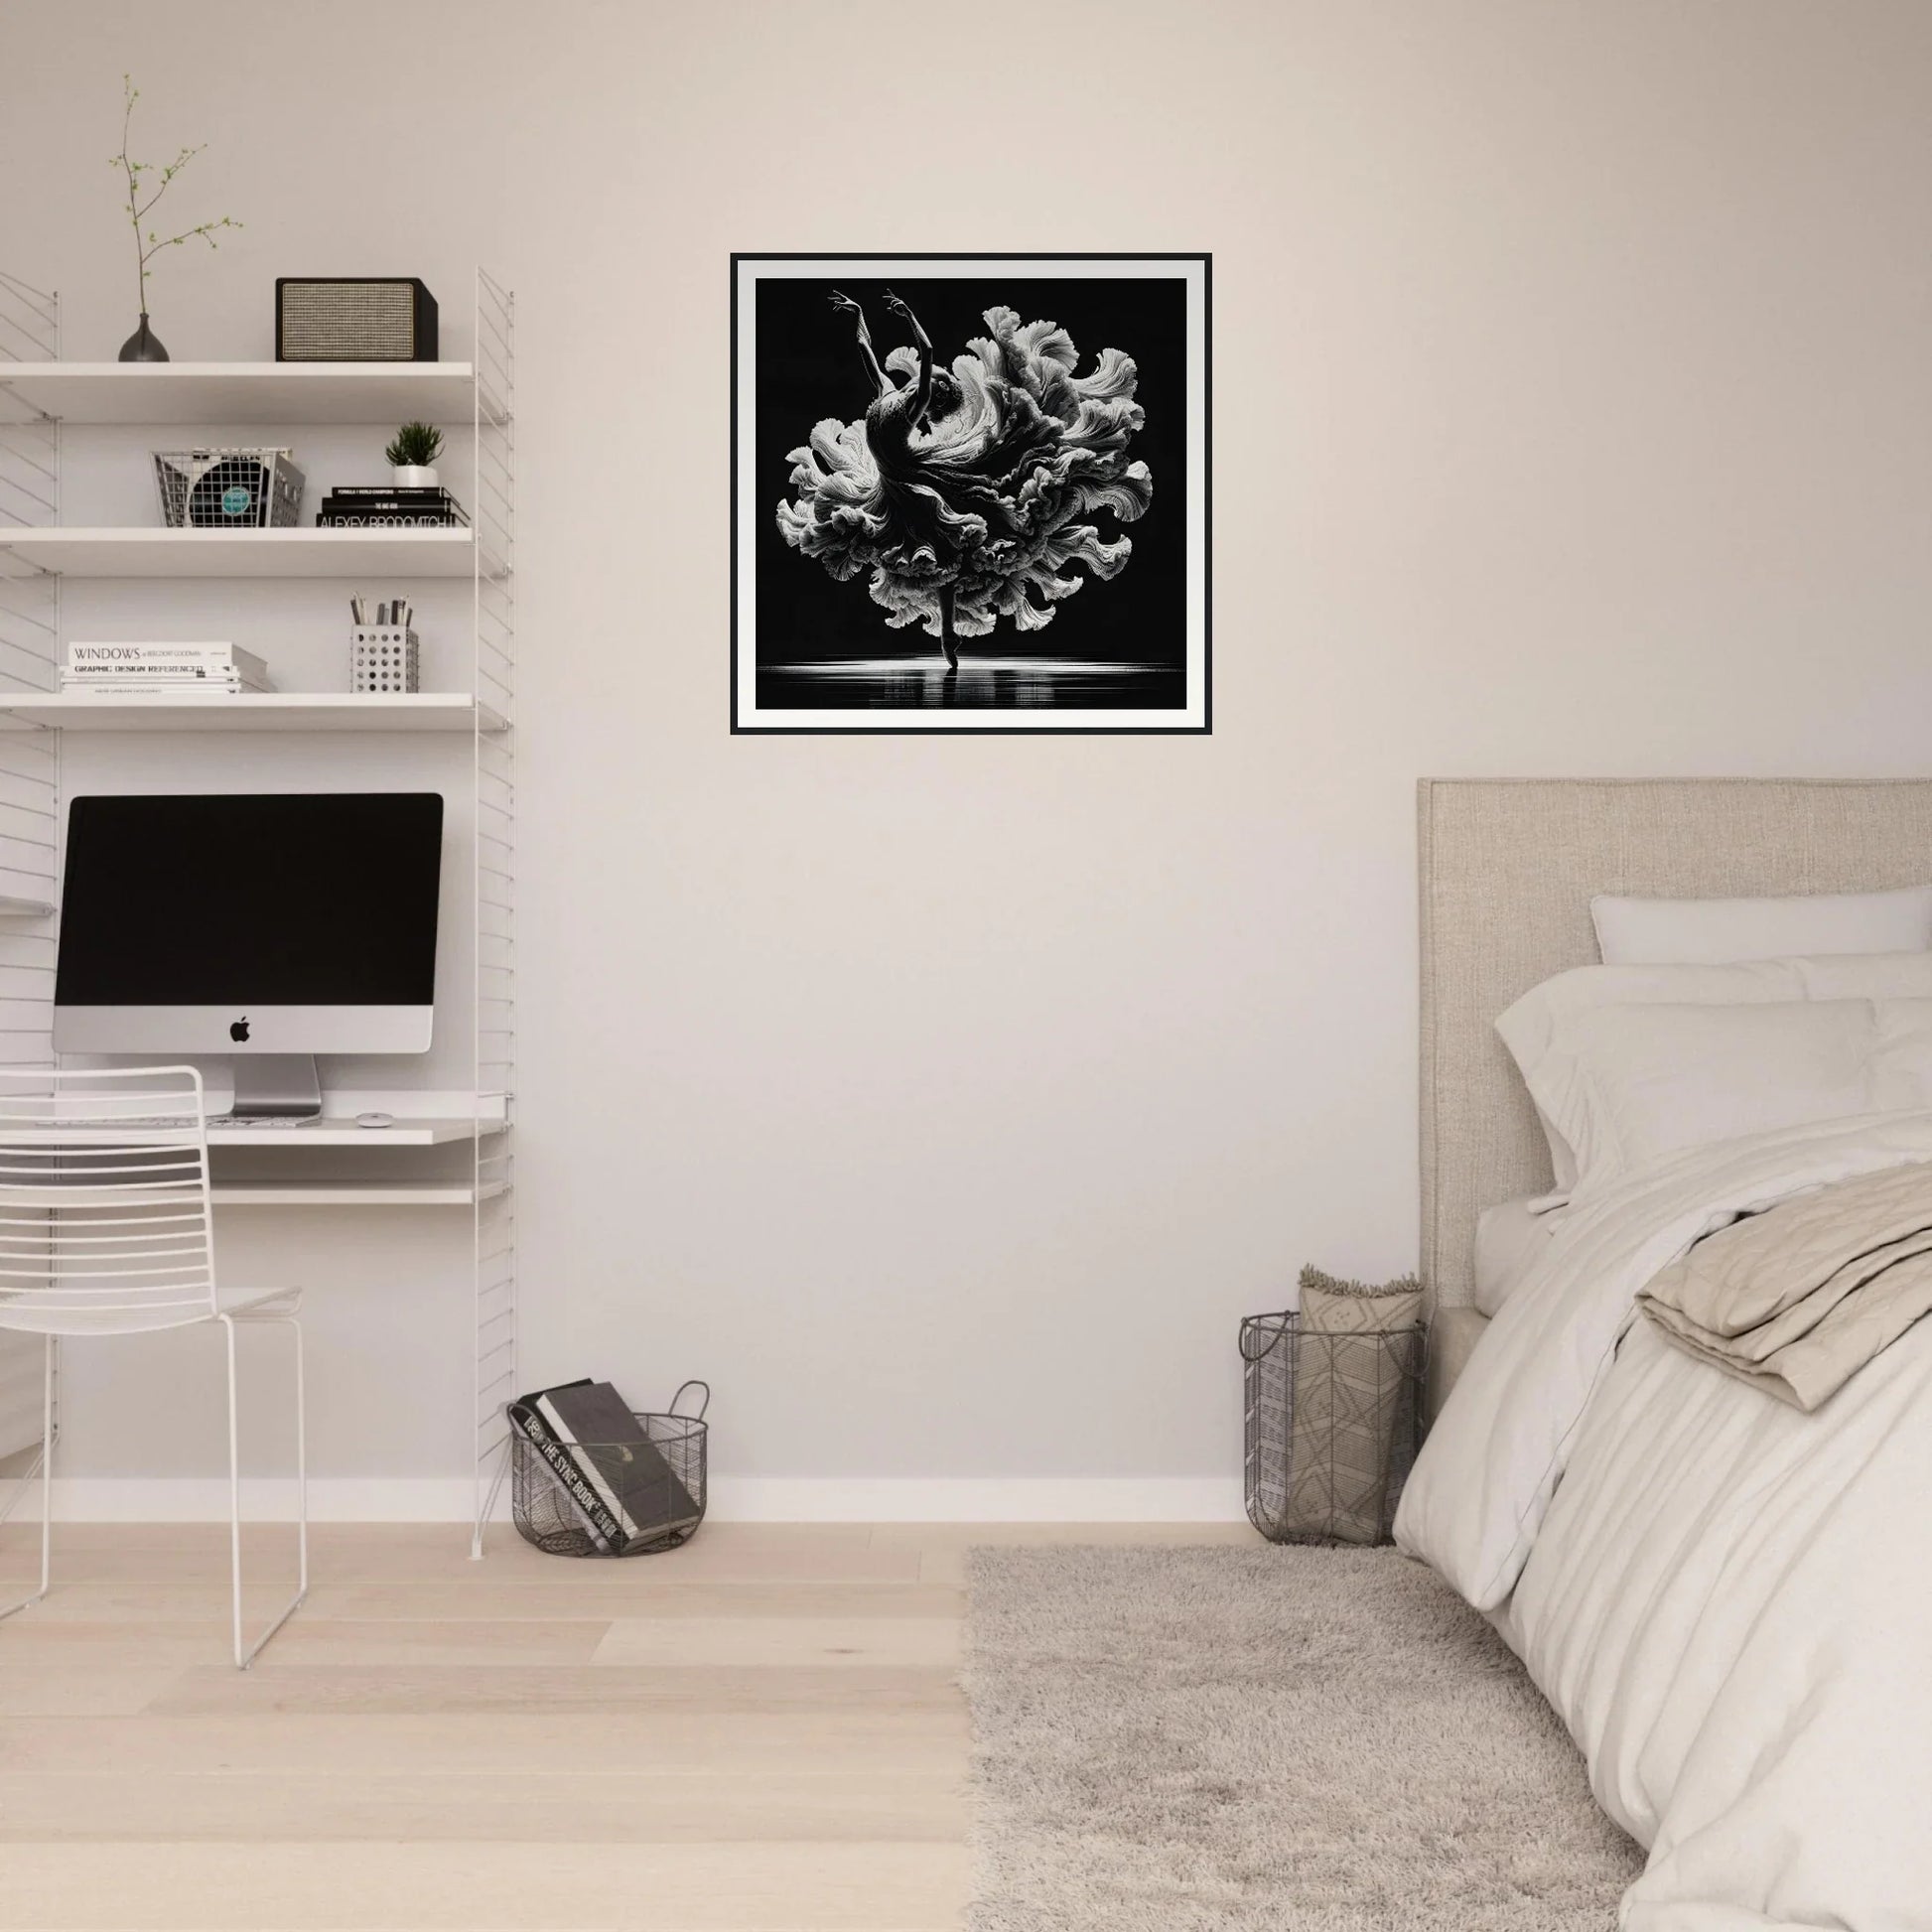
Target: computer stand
{"x": 276, "y": 1086}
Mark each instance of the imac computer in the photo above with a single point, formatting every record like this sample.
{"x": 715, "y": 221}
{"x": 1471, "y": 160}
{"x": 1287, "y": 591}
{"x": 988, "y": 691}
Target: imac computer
{"x": 268, "y": 926}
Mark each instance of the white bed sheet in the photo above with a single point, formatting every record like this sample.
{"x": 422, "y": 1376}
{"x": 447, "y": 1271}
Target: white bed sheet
{"x": 1510, "y": 1241}
{"x": 1724, "y": 1598}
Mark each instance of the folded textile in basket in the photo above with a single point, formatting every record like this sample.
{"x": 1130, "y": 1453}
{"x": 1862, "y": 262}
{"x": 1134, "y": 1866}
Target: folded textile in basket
{"x": 1348, "y": 1392}
{"x": 1797, "y": 1300}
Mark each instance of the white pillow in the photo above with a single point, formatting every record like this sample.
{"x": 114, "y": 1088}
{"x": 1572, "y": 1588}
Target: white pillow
{"x": 1628, "y": 1086}
{"x": 1532, "y": 1028}
{"x": 1708, "y": 931}
{"x": 1511, "y": 1238}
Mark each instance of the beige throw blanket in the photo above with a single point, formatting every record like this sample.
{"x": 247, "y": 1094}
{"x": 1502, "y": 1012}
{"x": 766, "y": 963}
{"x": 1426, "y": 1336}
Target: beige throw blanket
{"x": 1799, "y": 1298}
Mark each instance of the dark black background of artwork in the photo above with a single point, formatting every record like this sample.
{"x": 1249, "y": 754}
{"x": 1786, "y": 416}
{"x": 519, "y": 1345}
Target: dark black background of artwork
{"x": 809, "y": 368}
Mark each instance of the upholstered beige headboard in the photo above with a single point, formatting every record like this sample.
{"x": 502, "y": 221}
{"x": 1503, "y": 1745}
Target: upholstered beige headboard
{"x": 1507, "y": 869}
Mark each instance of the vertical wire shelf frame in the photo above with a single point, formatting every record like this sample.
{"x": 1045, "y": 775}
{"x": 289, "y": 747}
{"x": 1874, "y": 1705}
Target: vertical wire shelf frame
{"x": 30, "y": 792}
{"x": 30, "y": 788}
{"x": 494, "y": 518}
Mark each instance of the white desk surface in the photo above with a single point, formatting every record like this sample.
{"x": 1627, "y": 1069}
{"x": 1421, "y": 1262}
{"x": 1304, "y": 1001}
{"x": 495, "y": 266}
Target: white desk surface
{"x": 435, "y": 1131}
{"x": 329, "y": 1131}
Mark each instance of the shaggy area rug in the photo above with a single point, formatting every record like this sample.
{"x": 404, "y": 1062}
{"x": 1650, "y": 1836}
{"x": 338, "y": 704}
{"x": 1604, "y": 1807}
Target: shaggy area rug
{"x": 1213, "y": 1739}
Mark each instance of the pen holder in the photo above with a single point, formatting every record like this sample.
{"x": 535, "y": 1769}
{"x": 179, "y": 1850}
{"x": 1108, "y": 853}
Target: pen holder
{"x": 383, "y": 657}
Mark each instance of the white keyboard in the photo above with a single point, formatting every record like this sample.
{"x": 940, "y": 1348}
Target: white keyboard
{"x": 214, "y": 1120}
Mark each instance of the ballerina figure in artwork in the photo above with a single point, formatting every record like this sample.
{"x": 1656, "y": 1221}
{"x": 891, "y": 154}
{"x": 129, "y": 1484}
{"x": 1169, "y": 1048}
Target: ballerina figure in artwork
{"x": 963, "y": 494}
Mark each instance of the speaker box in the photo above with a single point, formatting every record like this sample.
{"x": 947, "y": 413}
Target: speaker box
{"x": 348, "y": 319}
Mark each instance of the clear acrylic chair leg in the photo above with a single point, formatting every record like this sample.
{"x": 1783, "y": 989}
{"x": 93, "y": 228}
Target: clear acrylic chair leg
{"x": 46, "y": 1464}
{"x": 244, "y": 1652}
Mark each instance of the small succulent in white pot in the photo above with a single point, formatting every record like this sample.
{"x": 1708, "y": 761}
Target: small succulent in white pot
{"x": 412, "y": 454}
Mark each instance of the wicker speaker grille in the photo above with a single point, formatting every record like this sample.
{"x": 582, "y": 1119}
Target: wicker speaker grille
{"x": 330, "y": 320}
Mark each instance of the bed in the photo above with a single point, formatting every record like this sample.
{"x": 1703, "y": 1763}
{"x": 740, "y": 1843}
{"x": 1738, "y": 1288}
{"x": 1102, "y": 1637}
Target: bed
{"x": 1724, "y": 1598}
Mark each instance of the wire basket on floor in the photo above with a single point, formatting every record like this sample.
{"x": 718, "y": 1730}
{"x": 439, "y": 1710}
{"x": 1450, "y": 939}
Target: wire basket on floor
{"x": 1333, "y": 1423}
{"x": 546, "y": 1514}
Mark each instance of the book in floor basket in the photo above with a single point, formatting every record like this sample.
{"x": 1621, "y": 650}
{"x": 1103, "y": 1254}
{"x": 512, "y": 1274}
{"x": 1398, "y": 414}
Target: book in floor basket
{"x": 601, "y": 1525}
{"x": 619, "y": 1479}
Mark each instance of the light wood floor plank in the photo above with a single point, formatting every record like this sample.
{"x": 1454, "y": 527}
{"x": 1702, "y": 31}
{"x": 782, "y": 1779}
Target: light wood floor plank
{"x": 665, "y": 1809}
{"x": 153, "y": 1602}
{"x": 963, "y": 1536}
{"x": 760, "y": 1732}
{"x": 389, "y": 1552}
{"x": 942, "y": 1554}
{"x": 616, "y": 1886}
{"x": 699, "y": 1562}
{"x": 656, "y": 1595}
{"x": 611, "y": 1590}
{"x": 749, "y": 1744}
{"x": 845, "y": 1641}
{"x": 305, "y": 1639}
{"x": 78, "y": 1690}
{"x": 427, "y": 1547}
{"x": 273, "y": 1689}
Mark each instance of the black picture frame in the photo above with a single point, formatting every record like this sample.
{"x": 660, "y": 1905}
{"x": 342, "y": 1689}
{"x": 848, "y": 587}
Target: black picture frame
{"x": 811, "y": 648}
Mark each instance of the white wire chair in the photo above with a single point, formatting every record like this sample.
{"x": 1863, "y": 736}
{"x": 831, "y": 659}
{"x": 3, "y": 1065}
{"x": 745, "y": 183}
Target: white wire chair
{"x": 106, "y": 1228}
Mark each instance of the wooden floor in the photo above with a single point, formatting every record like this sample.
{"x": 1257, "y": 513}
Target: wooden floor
{"x": 760, "y": 1731}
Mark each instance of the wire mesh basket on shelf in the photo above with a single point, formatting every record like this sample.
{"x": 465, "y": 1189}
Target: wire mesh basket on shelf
{"x": 1333, "y": 1423}
{"x": 228, "y": 490}
{"x": 544, "y": 1492}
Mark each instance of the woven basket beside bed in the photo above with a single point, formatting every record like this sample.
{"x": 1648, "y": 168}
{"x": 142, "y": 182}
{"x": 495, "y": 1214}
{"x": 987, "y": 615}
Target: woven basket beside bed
{"x": 1334, "y": 1403}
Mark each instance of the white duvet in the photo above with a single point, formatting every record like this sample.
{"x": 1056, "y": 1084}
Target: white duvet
{"x": 1728, "y": 1601}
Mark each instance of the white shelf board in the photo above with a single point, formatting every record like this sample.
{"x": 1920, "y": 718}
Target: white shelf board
{"x": 133, "y": 552}
{"x": 330, "y": 1131}
{"x": 243, "y": 392}
{"x": 334, "y": 1132}
{"x": 24, "y": 908}
{"x": 268, "y": 711}
{"x": 349, "y": 1193}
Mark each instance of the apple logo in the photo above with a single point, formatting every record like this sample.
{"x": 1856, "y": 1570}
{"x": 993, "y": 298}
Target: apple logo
{"x": 239, "y": 1031}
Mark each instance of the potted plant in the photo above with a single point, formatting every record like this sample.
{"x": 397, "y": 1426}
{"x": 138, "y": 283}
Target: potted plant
{"x": 144, "y": 346}
{"x": 412, "y": 454}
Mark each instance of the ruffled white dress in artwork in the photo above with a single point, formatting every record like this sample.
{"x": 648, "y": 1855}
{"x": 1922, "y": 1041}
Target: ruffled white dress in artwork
{"x": 967, "y": 497}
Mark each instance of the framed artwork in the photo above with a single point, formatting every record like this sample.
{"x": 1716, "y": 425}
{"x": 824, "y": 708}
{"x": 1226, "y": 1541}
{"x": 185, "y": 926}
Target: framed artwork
{"x": 970, "y": 492}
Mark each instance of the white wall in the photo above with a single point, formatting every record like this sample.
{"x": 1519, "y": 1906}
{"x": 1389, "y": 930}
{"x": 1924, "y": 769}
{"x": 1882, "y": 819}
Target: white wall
{"x": 946, "y": 1100}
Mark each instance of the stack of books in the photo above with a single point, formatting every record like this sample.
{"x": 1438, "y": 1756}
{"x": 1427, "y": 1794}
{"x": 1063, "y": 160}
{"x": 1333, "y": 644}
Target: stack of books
{"x": 119, "y": 669}
{"x": 619, "y": 1482}
{"x": 382, "y": 506}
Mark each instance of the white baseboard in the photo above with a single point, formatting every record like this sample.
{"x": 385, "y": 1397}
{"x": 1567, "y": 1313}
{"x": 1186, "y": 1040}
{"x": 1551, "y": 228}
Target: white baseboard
{"x": 977, "y": 1499}
{"x": 733, "y": 1499}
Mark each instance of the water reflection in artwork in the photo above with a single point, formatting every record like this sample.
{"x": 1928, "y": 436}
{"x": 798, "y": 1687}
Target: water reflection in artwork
{"x": 1013, "y": 683}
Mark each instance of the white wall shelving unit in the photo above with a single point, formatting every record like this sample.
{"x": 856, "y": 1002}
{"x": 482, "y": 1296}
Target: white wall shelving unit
{"x": 335, "y": 1130}
{"x": 372, "y": 394}
{"x": 352, "y": 1193}
{"x": 265, "y": 711}
{"x": 79, "y": 552}
{"x": 38, "y": 395}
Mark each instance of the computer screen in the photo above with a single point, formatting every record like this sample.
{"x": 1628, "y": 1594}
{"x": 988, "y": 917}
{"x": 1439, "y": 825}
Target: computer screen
{"x": 277, "y": 922}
